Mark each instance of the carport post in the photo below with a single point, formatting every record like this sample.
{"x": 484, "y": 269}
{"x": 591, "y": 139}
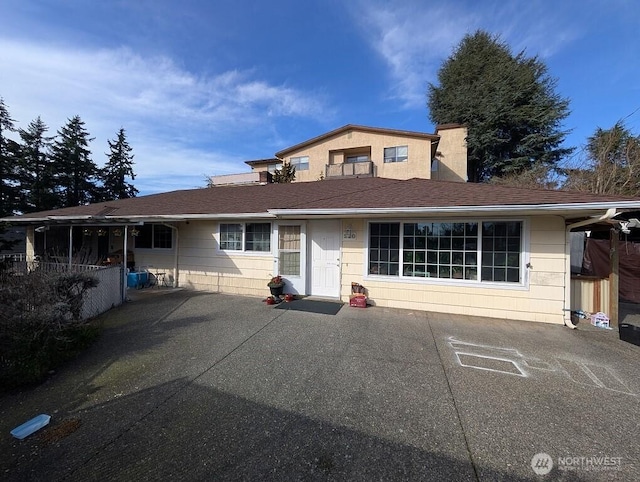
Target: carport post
{"x": 124, "y": 263}
{"x": 70, "y": 245}
{"x": 614, "y": 275}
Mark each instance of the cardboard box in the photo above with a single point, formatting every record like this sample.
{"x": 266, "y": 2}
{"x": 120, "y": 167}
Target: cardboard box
{"x": 358, "y": 301}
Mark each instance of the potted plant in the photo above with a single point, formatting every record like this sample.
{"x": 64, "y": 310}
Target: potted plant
{"x": 276, "y": 285}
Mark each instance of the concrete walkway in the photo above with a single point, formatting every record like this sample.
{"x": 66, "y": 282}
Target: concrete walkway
{"x": 214, "y": 387}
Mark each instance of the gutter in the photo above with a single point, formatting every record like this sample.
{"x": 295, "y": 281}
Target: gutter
{"x": 513, "y": 208}
{"x": 609, "y": 214}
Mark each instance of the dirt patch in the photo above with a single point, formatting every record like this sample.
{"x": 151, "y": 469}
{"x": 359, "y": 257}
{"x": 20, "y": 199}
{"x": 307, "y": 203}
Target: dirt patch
{"x": 61, "y": 430}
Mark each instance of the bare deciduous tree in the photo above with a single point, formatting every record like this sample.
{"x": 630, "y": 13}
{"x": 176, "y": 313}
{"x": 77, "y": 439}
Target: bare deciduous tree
{"x": 611, "y": 164}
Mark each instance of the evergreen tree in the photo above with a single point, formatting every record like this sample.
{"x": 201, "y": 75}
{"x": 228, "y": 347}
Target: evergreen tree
{"x": 508, "y": 104}
{"x": 38, "y": 183}
{"x": 119, "y": 167}
{"x": 75, "y": 172}
{"x": 9, "y": 176}
{"x": 287, "y": 173}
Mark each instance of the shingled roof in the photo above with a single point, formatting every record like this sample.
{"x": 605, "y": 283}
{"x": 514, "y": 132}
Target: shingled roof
{"x": 340, "y": 196}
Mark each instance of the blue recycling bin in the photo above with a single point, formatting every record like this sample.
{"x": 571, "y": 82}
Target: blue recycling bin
{"x": 137, "y": 279}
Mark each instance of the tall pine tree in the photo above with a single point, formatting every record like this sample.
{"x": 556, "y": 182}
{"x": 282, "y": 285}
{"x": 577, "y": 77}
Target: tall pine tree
{"x": 9, "y": 175}
{"x": 119, "y": 167}
{"x": 38, "y": 182}
{"x": 75, "y": 170}
{"x": 508, "y": 103}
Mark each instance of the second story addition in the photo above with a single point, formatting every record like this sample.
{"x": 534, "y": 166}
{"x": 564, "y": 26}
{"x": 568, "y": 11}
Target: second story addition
{"x": 360, "y": 151}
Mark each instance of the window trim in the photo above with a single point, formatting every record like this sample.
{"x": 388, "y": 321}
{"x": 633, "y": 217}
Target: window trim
{"x": 153, "y": 247}
{"x": 395, "y": 157}
{"x": 525, "y": 256}
{"x": 244, "y": 251}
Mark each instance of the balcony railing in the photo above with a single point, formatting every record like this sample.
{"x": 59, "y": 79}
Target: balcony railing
{"x": 349, "y": 169}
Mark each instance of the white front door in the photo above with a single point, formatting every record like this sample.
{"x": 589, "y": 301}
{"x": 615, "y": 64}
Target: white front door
{"x": 325, "y": 258}
{"x": 290, "y": 259}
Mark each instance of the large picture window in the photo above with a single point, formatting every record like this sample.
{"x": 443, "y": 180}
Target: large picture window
{"x": 473, "y": 251}
{"x": 245, "y": 237}
{"x": 154, "y": 236}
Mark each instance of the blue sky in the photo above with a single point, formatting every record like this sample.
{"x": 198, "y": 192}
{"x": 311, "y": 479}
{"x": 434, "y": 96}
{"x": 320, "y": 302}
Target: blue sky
{"x": 202, "y": 86}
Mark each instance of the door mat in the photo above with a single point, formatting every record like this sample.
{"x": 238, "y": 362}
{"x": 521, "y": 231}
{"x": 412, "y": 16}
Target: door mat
{"x": 312, "y": 306}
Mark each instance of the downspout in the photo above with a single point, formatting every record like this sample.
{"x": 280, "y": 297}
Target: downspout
{"x": 175, "y": 256}
{"x": 567, "y": 263}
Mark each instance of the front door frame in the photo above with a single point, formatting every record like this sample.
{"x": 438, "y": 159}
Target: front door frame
{"x": 337, "y": 224}
{"x": 294, "y": 284}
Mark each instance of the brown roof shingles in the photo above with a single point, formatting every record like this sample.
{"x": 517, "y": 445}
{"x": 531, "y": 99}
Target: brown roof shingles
{"x": 365, "y": 193}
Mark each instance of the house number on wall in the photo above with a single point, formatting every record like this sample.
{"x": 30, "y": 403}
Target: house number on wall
{"x": 348, "y": 233}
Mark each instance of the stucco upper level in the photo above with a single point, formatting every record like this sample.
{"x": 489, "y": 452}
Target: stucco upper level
{"x": 369, "y": 151}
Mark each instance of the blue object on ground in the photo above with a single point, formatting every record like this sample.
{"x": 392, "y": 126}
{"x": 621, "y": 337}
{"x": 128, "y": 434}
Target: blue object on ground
{"x": 137, "y": 279}
{"x": 33, "y": 425}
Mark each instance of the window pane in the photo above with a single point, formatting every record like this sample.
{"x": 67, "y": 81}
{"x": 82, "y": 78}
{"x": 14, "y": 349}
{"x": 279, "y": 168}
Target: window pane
{"x": 300, "y": 163}
{"x": 387, "y": 237}
{"x": 162, "y": 236}
{"x": 290, "y": 264}
{"x": 501, "y": 245}
{"x": 258, "y": 237}
{"x": 231, "y": 237}
{"x": 144, "y": 240}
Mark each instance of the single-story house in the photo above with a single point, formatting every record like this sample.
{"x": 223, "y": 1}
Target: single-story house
{"x": 420, "y": 244}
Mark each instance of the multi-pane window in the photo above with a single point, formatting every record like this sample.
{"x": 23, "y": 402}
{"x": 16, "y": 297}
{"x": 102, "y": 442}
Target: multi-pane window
{"x": 501, "y": 252}
{"x": 396, "y": 154}
{"x": 258, "y": 237}
{"x": 289, "y": 245}
{"x": 231, "y": 237}
{"x": 384, "y": 248}
{"x": 245, "y": 237}
{"x": 273, "y": 167}
{"x": 300, "y": 163}
{"x": 447, "y": 250}
{"x": 154, "y": 236}
{"x": 440, "y": 250}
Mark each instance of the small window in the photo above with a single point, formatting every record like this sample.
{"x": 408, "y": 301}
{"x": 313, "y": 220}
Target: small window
{"x": 273, "y": 167}
{"x": 396, "y": 154}
{"x": 245, "y": 237}
{"x": 154, "y": 236}
{"x": 300, "y": 163}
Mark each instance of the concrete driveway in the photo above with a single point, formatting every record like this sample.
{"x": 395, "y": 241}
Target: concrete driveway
{"x": 214, "y": 387}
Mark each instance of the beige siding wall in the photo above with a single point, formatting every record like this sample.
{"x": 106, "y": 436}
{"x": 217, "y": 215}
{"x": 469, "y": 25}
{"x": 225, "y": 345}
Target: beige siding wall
{"x": 540, "y": 300}
{"x": 452, "y": 155}
{"x": 204, "y": 267}
{"x": 331, "y": 151}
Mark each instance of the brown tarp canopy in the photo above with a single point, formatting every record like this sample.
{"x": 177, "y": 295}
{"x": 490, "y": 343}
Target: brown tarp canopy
{"x": 596, "y": 262}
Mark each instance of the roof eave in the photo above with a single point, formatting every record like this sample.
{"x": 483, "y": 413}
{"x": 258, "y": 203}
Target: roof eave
{"x": 518, "y": 209}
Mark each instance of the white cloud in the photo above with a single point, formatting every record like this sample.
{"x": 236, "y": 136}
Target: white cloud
{"x": 415, "y": 37}
{"x": 178, "y": 123}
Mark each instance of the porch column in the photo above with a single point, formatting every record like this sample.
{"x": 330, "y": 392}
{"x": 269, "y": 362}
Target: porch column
{"x": 124, "y": 263}
{"x": 70, "y": 245}
{"x": 614, "y": 275}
